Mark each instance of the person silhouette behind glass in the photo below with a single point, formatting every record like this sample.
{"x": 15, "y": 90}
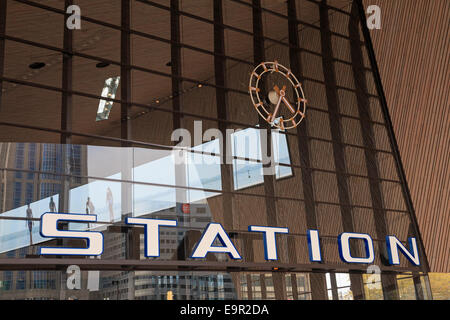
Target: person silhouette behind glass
{"x": 30, "y": 223}
{"x": 90, "y": 209}
{"x": 52, "y": 205}
{"x": 110, "y": 204}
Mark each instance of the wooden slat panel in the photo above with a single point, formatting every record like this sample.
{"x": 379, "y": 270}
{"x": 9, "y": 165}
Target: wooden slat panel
{"x": 413, "y": 51}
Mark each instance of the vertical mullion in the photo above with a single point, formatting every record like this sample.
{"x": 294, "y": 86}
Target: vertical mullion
{"x": 66, "y": 113}
{"x": 175, "y": 51}
{"x": 262, "y": 284}
{"x": 335, "y": 126}
{"x": 388, "y": 280}
{"x": 358, "y": 7}
{"x": 419, "y": 291}
{"x": 269, "y": 190}
{"x": 357, "y": 286}
{"x": 125, "y": 72}
{"x": 66, "y": 110}
{"x": 226, "y": 168}
{"x": 132, "y": 238}
{"x": 317, "y": 280}
{"x": 3, "y": 8}
{"x": 293, "y": 279}
{"x": 221, "y": 96}
{"x": 294, "y": 61}
{"x": 249, "y": 287}
{"x": 66, "y": 118}
{"x": 333, "y": 283}
{"x": 180, "y": 168}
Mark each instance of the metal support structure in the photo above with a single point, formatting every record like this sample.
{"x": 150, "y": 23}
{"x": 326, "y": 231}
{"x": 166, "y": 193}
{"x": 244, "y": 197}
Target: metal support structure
{"x": 175, "y": 61}
{"x": 249, "y": 286}
{"x": 226, "y": 168}
{"x": 317, "y": 279}
{"x": 66, "y": 110}
{"x": 333, "y": 283}
{"x": 293, "y": 278}
{"x": 66, "y": 128}
{"x": 177, "y": 119}
{"x": 359, "y": 10}
{"x": 3, "y": 9}
{"x": 418, "y": 288}
{"x": 388, "y": 281}
{"x": 66, "y": 95}
{"x": 125, "y": 72}
{"x": 357, "y": 286}
{"x": 222, "y": 112}
{"x": 335, "y": 128}
{"x": 269, "y": 188}
{"x": 125, "y": 122}
{"x": 132, "y": 241}
{"x": 173, "y": 265}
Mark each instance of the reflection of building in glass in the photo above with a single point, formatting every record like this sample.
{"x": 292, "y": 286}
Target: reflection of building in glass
{"x": 48, "y": 159}
{"x": 42, "y": 179}
{"x": 175, "y": 243}
{"x": 257, "y": 286}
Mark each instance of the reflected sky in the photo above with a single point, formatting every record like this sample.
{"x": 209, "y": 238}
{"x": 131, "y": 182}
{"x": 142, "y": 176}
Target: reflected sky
{"x": 15, "y": 234}
{"x": 103, "y": 197}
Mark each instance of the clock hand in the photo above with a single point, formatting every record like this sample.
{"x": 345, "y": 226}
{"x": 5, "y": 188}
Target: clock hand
{"x": 287, "y": 103}
{"x": 272, "y": 118}
{"x": 280, "y": 94}
{"x": 277, "y": 90}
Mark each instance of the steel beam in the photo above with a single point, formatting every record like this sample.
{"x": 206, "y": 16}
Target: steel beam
{"x": 3, "y": 9}
{"x": 317, "y": 280}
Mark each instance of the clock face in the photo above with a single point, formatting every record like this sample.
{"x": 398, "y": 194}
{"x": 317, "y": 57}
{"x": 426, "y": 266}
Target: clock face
{"x": 284, "y": 105}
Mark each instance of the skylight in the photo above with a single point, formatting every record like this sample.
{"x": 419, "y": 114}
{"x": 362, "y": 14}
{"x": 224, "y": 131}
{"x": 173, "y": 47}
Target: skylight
{"x": 109, "y": 91}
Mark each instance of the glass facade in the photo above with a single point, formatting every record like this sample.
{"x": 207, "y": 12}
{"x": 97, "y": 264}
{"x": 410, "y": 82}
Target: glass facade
{"x": 145, "y": 112}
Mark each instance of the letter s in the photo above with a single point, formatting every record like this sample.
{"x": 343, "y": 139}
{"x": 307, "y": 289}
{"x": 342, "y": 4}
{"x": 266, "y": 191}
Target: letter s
{"x": 49, "y": 229}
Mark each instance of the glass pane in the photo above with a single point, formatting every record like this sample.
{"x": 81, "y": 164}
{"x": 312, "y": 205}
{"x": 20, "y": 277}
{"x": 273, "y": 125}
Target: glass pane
{"x": 406, "y": 289}
{"x": 345, "y": 294}
{"x": 342, "y": 280}
{"x": 372, "y": 287}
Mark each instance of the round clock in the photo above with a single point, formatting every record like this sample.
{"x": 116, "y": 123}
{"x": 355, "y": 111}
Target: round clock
{"x": 277, "y": 98}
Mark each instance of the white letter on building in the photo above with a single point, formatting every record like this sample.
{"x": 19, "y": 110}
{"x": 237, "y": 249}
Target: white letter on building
{"x": 49, "y": 229}
{"x": 205, "y": 245}
{"x": 393, "y": 244}
{"x": 314, "y": 246}
{"x": 151, "y": 233}
{"x": 270, "y": 242}
{"x": 344, "y": 247}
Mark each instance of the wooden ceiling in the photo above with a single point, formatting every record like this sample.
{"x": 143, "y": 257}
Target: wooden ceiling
{"x": 412, "y": 50}
{"x": 38, "y": 107}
